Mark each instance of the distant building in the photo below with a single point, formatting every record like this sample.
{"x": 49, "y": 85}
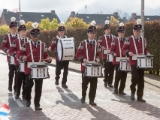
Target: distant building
{"x": 134, "y": 17}
{"x": 99, "y": 18}
{"x": 27, "y": 16}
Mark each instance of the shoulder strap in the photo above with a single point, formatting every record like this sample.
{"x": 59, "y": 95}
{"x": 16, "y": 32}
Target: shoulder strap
{"x": 135, "y": 45}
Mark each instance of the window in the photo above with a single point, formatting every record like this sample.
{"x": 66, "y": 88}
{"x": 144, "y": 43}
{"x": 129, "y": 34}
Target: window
{"x": 87, "y": 17}
{"x": 42, "y": 15}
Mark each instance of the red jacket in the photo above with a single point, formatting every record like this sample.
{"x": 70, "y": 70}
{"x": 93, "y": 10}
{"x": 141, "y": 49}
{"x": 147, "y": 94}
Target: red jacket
{"x": 102, "y": 41}
{"x": 15, "y": 47}
{"x": 81, "y": 52}
{"x": 25, "y": 51}
{"x": 54, "y": 45}
{"x": 115, "y": 48}
{"x": 129, "y": 47}
{"x": 6, "y": 43}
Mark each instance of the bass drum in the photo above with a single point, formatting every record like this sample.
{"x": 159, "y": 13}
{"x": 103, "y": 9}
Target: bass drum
{"x": 65, "y": 49}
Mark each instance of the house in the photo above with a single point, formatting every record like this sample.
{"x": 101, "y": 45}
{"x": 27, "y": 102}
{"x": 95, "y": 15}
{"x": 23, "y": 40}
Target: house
{"x": 99, "y": 18}
{"x": 134, "y": 17}
{"x": 27, "y": 16}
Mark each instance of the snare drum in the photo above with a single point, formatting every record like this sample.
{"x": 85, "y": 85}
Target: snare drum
{"x": 109, "y": 58}
{"x": 65, "y": 49}
{"x": 124, "y": 65}
{"x": 145, "y": 62}
{"x": 39, "y": 71}
{"x": 12, "y": 60}
{"x": 93, "y": 70}
{"x": 21, "y": 66}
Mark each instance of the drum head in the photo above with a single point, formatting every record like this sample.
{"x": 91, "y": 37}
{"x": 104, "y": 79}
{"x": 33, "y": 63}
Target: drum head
{"x": 59, "y": 50}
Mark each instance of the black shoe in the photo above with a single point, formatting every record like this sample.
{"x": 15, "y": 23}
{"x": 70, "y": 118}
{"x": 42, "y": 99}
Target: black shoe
{"x": 132, "y": 96}
{"x": 38, "y": 108}
{"x": 10, "y": 89}
{"x": 141, "y": 100}
{"x": 57, "y": 82}
{"x": 105, "y": 84}
{"x": 93, "y": 103}
{"x": 122, "y": 93}
{"x": 28, "y": 103}
{"x": 64, "y": 86}
{"x": 115, "y": 91}
{"x": 82, "y": 100}
{"x": 110, "y": 85}
{"x": 16, "y": 96}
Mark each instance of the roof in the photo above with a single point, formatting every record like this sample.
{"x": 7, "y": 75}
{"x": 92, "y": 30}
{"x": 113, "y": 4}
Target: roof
{"x": 99, "y": 18}
{"x": 146, "y": 17}
{"x": 30, "y": 16}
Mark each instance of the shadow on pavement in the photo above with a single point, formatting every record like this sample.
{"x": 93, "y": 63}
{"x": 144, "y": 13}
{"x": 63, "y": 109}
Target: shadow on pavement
{"x": 97, "y": 112}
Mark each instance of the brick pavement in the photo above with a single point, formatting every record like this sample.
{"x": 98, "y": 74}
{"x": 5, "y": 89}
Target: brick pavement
{"x": 63, "y": 104}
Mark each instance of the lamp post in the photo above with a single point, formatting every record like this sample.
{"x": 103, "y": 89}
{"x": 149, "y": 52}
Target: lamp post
{"x": 19, "y": 10}
{"x": 142, "y": 16}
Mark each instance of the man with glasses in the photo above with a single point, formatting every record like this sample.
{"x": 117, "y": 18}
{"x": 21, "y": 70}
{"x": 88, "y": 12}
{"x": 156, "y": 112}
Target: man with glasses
{"x": 136, "y": 45}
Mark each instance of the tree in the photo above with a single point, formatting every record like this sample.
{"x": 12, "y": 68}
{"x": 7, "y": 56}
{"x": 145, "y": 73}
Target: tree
{"x": 114, "y": 21}
{"x": 47, "y": 25}
{"x": 4, "y": 29}
{"x": 75, "y": 22}
{"x": 29, "y": 25}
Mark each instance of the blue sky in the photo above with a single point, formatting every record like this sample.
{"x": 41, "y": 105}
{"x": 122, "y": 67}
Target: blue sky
{"x": 63, "y": 8}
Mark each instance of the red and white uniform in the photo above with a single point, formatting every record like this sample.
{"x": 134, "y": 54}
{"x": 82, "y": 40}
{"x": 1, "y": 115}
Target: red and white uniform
{"x": 26, "y": 51}
{"x": 105, "y": 41}
{"x": 7, "y": 41}
{"x": 130, "y": 47}
{"x": 116, "y": 47}
{"x": 81, "y": 52}
{"x": 16, "y": 46}
{"x": 54, "y": 44}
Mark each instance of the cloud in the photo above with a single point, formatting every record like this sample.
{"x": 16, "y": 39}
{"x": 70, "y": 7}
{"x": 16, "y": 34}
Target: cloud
{"x": 64, "y": 7}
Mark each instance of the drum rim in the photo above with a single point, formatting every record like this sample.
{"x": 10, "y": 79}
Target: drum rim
{"x": 61, "y": 49}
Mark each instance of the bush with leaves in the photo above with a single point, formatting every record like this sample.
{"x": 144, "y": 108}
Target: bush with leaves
{"x": 46, "y": 24}
{"x": 4, "y": 29}
{"x": 75, "y": 22}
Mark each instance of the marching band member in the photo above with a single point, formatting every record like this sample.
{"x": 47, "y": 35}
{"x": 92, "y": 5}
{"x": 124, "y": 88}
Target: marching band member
{"x": 134, "y": 45}
{"x": 15, "y": 47}
{"x": 116, "y": 50}
{"x": 105, "y": 42}
{"x": 82, "y": 56}
{"x": 7, "y": 40}
{"x": 33, "y": 51}
{"x": 60, "y": 64}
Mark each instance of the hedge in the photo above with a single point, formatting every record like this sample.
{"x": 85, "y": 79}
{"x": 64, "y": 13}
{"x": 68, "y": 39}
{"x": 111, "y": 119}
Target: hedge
{"x": 152, "y": 35}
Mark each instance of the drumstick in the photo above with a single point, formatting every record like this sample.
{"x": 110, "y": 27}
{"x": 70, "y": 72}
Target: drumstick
{"x": 30, "y": 53}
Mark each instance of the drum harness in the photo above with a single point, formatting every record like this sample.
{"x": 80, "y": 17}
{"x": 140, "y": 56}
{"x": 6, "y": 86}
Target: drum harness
{"x": 120, "y": 51}
{"x": 107, "y": 44}
{"x": 136, "y": 46}
{"x": 94, "y": 52}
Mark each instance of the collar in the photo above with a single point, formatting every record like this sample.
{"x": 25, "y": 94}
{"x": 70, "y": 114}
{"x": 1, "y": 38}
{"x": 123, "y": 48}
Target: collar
{"x": 13, "y": 35}
{"x": 37, "y": 43}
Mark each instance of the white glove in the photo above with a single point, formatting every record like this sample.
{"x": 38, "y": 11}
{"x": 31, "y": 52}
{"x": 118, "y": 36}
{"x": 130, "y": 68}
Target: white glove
{"x": 24, "y": 58}
{"x": 49, "y": 49}
{"x": 97, "y": 59}
{"x": 130, "y": 54}
{"x": 148, "y": 53}
{"x": 84, "y": 60}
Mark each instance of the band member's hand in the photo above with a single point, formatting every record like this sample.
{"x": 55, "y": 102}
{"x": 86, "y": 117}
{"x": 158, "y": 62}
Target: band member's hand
{"x": 103, "y": 48}
{"x": 84, "y": 60}
{"x": 97, "y": 60}
{"x": 49, "y": 49}
{"x": 130, "y": 54}
{"x": 114, "y": 54}
{"x": 24, "y": 58}
{"x": 49, "y": 59}
{"x": 148, "y": 53}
